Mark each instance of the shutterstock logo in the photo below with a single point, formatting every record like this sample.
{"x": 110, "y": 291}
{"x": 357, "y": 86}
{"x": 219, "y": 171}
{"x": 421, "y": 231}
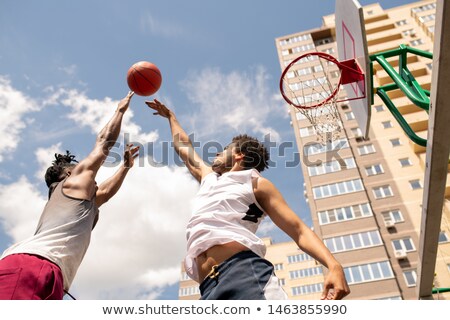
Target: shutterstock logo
{"x": 282, "y": 154}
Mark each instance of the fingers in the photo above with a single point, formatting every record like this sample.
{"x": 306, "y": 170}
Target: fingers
{"x": 324, "y": 295}
{"x": 131, "y": 150}
{"x": 129, "y": 95}
{"x": 152, "y": 105}
{"x": 333, "y": 294}
{"x": 135, "y": 151}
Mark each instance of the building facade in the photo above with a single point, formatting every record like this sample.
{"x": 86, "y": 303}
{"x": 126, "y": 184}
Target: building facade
{"x": 364, "y": 194}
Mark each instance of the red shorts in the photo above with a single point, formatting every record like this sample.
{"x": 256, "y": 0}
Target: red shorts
{"x": 30, "y": 277}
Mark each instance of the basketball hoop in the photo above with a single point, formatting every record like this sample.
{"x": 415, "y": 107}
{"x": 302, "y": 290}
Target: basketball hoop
{"x": 311, "y": 84}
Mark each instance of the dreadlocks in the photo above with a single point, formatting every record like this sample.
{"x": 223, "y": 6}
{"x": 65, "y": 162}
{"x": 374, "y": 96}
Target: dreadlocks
{"x": 56, "y": 173}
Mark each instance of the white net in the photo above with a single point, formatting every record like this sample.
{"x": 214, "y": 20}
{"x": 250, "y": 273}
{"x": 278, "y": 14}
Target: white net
{"x": 311, "y": 85}
{"x": 325, "y": 121}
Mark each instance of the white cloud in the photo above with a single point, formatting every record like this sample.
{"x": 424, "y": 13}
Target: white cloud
{"x": 139, "y": 242}
{"x": 70, "y": 70}
{"x": 20, "y": 206}
{"x": 14, "y": 105}
{"x": 266, "y": 228}
{"x": 45, "y": 157}
{"x": 242, "y": 102}
{"x": 160, "y": 27}
{"x": 95, "y": 114}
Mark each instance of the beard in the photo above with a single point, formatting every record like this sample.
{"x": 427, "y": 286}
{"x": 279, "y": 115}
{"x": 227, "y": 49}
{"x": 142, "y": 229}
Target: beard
{"x": 222, "y": 165}
{"x": 218, "y": 166}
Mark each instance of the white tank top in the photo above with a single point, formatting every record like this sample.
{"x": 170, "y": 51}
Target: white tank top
{"x": 63, "y": 233}
{"x": 225, "y": 210}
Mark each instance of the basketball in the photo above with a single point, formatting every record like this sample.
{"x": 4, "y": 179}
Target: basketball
{"x": 144, "y": 78}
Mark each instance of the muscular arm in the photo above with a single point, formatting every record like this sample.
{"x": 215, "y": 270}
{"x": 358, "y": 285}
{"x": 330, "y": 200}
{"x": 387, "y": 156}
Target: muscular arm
{"x": 109, "y": 187}
{"x": 182, "y": 144}
{"x": 80, "y": 183}
{"x": 278, "y": 210}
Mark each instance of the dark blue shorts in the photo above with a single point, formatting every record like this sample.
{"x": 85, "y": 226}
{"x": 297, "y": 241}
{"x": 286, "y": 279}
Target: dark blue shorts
{"x": 244, "y": 276}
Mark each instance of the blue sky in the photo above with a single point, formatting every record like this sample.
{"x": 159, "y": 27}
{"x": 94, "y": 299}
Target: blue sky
{"x": 62, "y": 72}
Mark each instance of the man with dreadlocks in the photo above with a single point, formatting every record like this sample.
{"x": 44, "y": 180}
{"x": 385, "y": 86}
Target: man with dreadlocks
{"x": 224, "y": 255}
{"x": 44, "y": 265}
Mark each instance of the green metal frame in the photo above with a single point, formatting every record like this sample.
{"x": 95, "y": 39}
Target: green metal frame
{"x": 440, "y": 290}
{"x": 403, "y": 80}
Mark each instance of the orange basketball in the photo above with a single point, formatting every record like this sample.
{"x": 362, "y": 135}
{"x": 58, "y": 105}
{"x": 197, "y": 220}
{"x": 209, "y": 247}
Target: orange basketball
{"x": 144, "y": 78}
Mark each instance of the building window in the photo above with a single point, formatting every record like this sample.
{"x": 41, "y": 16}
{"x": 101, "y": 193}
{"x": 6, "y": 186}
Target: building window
{"x": 189, "y": 291}
{"x": 392, "y": 215}
{"x": 424, "y": 7}
{"x": 299, "y": 38}
{"x": 307, "y": 289}
{"x": 184, "y": 276}
{"x": 316, "y": 148}
{"x": 429, "y": 17}
{"x": 368, "y": 272}
{"x": 278, "y": 266}
{"x": 410, "y": 278}
{"x": 416, "y": 42}
{"x": 354, "y": 241}
{"x": 299, "y": 258}
{"x": 395, "y": 142}
{"x": 335, "y": 189}
{"x": 404, "y": 244}
{"x": 356, "y": 132}
{"x": 349, "y": 115}
{"x": 335, "y": 74}
{"x": 405, "y": 162}
{"x": 307, "y": 131}
{"x": 344, "y": 213}
{"x": 387, "y": 124}
{"x": 300, "y": 116}
{"x": 374, "y": 169}
{"x": 331, "y": 166}
{"x": 287, "y": 62}
{"x": 415, "y": 184}
{"x": 443, "y": 237}
{"x": 366, "y": 149}
{"x": 391, "y": 298}
{"x": 379, "y": 108}
{"x": 282, "y": 282}
{"x": 410, "y": 32}
{"x": 303, "y": 273}
{"x": 383, "y": 192}
{"x": 401, "y": 22}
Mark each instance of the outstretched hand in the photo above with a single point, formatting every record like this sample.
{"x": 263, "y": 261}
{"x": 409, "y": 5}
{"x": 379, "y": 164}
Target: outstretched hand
{"x": 335, "y": 286}
{"x": 125, "y": 102}
{"x": 160, "y": 108}
{"x": 129, "y": 155}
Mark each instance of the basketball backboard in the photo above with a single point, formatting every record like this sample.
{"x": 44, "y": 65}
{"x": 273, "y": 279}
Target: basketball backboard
{"x": 352, "y": 44}
{"x": 437, "y": 153}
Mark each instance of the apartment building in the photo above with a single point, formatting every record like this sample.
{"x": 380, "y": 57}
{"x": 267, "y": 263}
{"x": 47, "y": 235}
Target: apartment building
{"x": 364, "y": 194}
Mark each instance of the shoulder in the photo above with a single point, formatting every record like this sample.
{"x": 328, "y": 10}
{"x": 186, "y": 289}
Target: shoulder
{"x": 262, "y": 186}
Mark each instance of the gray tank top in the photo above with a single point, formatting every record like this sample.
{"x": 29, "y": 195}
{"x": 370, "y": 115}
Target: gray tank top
{"x": 63, "y": 233}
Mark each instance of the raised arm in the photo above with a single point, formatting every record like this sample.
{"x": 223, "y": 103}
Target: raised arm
{"x": 182, "y": 143}
{"x": 80, "y": 183}
{"x": 109, "y": 187}
{"x": 335, "y": 286}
